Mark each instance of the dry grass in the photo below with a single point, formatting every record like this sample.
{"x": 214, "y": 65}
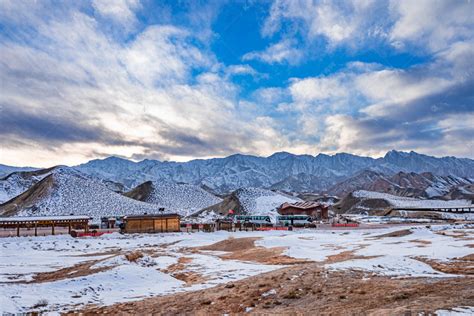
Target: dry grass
{"x": 308, "y": 289}
{"x": 134, "y": 256}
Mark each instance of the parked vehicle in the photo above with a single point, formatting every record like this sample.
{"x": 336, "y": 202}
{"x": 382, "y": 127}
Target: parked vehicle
{"x": 294, "y": 220}
{"x": 260, "y": 220}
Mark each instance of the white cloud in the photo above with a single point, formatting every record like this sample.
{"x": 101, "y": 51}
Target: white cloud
{"x": 435, "y": 24}
{"x": 130, "y": 99}
{"x": 281, "y": 52}
{"x": 425, "y": 24}
{"x": 335, "y": 21}
{"x": 314, "y": 89}
{"x": 239, "y": 70}
{"x": 122, "y": 11}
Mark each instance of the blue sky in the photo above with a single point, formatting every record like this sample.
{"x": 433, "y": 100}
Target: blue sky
{"x": 178, "y": 80}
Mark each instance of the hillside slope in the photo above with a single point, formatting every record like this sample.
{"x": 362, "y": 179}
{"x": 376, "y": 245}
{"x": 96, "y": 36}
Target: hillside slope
{"x": 67, "y": 191}
{"x": 184, "y": 199}
{"x": 250, "y": 201}
{"x": 19, "y": 181}
{"x": 376, "y": 203}
{"x": 424, "y": 185}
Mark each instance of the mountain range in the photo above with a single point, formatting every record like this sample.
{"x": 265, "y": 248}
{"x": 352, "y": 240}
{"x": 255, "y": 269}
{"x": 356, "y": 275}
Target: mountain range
{"x": 241, "y": 182}
{"x": 280, "y": 171}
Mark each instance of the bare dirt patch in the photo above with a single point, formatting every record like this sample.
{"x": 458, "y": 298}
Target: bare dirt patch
{"x": 346, "y": 255}
{"x": 457, "y": 234}
{"x": 244, "y": 249}
{"x": 113, "y": 251}
{"x": 463, "y": 265}
{"x": 398, "y": 233}
{"x": 420, "y": 243}
{"x": 78, "y": 270}
{"x": 179, "y": 266}
{"x": 190, "y": 277}
{"x": 308, "y": 289}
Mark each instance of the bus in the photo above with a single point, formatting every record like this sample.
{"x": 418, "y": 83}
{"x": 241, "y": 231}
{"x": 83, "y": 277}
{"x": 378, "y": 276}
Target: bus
{"x": 294, "y": 220}
{"x": 254, "y": 219}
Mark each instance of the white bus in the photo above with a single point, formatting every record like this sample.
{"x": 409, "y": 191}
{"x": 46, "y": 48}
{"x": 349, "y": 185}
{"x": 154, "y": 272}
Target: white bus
{"x": 294, "y": 220}
{"x": 254, "y": 219}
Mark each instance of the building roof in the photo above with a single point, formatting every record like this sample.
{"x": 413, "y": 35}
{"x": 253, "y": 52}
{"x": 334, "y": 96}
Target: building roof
{"x": 150, "y": 216}
{"x": 301, "y": 205}
{"x": 43, "y": 218}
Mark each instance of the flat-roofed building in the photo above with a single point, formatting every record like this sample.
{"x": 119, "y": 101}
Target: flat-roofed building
{"x": 152, "y": 223}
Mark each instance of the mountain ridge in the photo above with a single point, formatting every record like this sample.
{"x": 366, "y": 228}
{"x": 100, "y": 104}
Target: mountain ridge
{"x": 281, "y": 170}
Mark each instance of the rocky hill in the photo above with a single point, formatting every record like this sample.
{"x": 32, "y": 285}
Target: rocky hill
{"x": 66, "y": 191}
{"x": 18, "y": 182}
{"x": 251, "y": 201}
{"x": 424, "y": 185}
{"x": 181, "y": 198}
{"x": 377, "y": 203}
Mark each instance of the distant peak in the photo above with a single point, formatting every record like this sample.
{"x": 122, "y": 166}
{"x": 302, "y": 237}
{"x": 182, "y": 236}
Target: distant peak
{"x": 115, "y": 158}
{"x": 281, "y": 154}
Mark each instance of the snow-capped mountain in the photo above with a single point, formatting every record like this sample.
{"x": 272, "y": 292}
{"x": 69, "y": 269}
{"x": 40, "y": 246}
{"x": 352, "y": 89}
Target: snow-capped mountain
{"x": 282, "y": 171}
{"x": 184, "y": 199}
{"x": 67, "y": 191}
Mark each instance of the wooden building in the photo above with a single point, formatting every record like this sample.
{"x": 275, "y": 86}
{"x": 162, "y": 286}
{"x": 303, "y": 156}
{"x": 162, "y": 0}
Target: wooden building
{"x": 44, "y": 222}
{"x": 316, "y": 210}
{"x": 153, "y": 223}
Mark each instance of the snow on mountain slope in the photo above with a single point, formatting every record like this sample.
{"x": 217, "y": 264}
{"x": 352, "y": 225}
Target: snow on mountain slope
{"x": 18, "y": 182}
{"x": 67, "y": 191}
{"x": 401, "y": 202}
{"x": 282, "y": 170}
{"x": 425, "y": 185}
{"x": 249, "y": 201}
{"x": 6, "y": 170}
{"x": 184, "y": 199}
{"x": 256, "y": 201}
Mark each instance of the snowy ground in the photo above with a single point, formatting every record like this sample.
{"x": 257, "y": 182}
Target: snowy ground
{"x": 22, "y": 258}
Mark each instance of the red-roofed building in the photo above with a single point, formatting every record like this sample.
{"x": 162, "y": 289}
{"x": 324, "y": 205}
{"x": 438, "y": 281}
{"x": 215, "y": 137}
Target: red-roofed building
{"x": 313, "y": 209}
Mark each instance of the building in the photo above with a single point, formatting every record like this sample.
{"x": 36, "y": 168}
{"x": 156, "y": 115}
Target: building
{"x": 42, "y": 225}
{"x": 153, "y": 223}
{"x": 314, "y": 209}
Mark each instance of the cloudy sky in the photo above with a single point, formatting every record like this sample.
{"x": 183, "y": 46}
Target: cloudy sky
{"x": 178, "y": 80}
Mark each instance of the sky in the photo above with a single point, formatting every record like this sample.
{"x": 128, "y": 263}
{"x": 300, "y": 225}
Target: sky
{"x": 179, "y": 80}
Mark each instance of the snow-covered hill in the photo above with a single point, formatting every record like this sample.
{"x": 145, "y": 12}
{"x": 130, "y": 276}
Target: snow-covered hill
{"x": 249, "y": 201}
{"x": 401, "y": 202}
{"x": 67, "y": 191}
{"x": 184, "y": 199}
{"x": 256, "y": 201}
{"x": 377, "y": 203}
{"x": 425, "y": 185}
{"x": 6, "y": 170}
{"x": 282, "y": 171}
{"x": 19, "y": 181}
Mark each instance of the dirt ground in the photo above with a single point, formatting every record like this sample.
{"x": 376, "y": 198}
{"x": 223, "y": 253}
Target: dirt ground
{"x": 244, "y": 249}
{"x": 308, "y": 289}
{"x": 305, "y": 288}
